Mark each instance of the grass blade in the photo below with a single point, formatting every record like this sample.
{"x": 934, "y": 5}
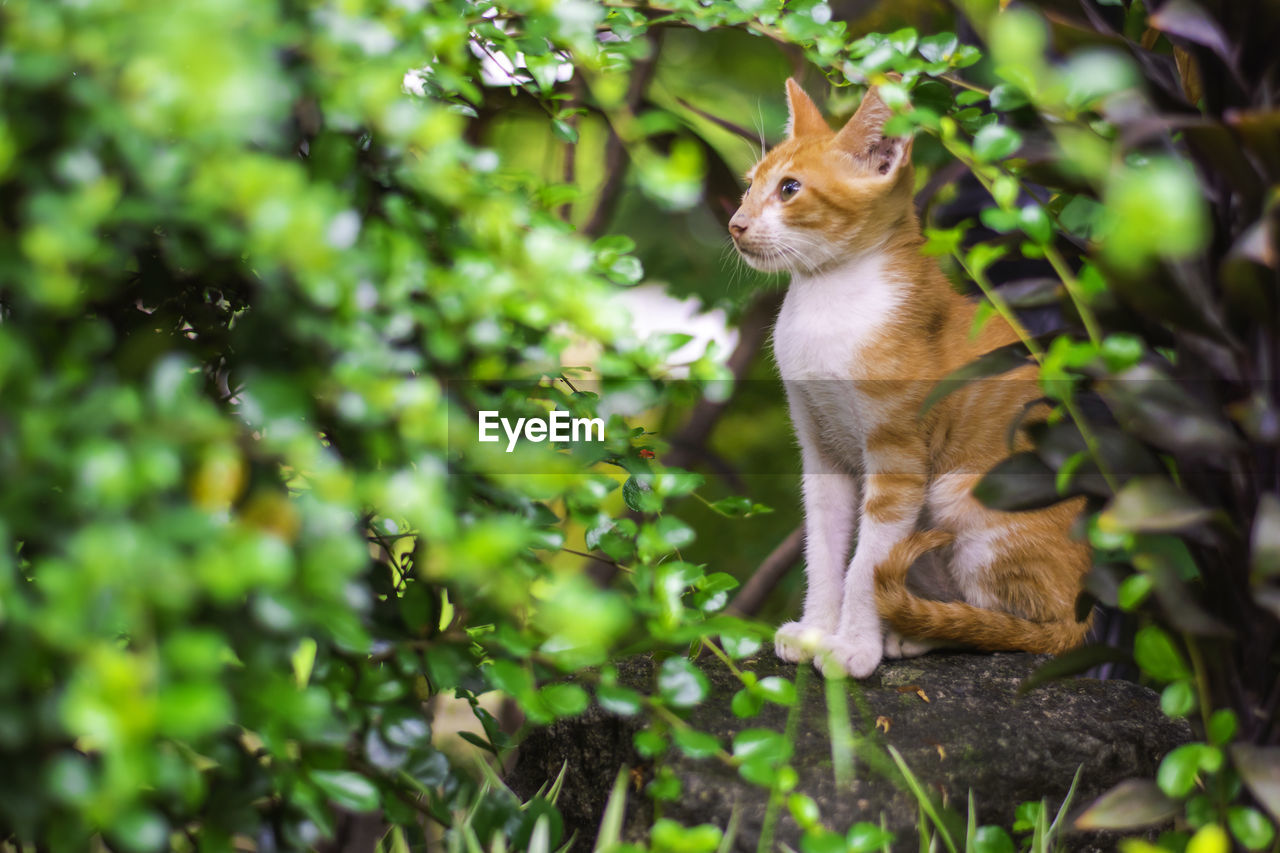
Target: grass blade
{"x": 540, "y": 840}
{"x": 1066, "y": 803}
{"x": 730, "y": 831}
{"x": 554, "y": 793}
{"x": 841, "y": 732}
{"x": 922, "y": 797}
{"x": 615, "y": 809}
{"x": 971, "y": 827}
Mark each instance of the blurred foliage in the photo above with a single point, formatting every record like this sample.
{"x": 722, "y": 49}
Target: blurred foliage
{"x": 265, "y": 262}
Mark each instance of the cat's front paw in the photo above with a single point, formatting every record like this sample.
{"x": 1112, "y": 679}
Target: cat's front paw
{"x": 838, "y": 656}
{"x": 898, "y": 646}
{"x": 795, "y": 642}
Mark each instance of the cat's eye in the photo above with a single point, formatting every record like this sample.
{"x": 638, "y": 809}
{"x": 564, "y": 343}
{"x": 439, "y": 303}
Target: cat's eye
{"x": 788, "y": 188}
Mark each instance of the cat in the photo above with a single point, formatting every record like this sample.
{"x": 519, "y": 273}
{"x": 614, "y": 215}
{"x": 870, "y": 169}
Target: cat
{"x": 867, "y": 327}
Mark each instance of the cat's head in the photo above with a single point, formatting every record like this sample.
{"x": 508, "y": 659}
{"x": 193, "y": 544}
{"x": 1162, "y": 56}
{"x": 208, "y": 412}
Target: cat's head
{"x": 822, "y": 196}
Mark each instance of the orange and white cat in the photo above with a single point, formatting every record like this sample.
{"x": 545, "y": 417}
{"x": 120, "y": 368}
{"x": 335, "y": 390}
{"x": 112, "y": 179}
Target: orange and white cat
{"x": 867, "y": 328}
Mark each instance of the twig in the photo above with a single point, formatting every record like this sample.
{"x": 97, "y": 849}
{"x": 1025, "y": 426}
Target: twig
{"x": 615, "y": 149}
{"x": 749, "y": 135}
{"x": 748, "y": 600}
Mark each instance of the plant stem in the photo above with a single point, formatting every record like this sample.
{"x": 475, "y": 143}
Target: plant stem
{"x": 1073, "y": 290}
{"x": 718, "y": 652}
{"x": 775, "y": 793}
{"x": 1202, "y": 683}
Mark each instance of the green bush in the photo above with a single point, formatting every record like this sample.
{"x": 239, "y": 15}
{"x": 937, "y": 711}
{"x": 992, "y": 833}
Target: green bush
{"x": 265, "y": 262}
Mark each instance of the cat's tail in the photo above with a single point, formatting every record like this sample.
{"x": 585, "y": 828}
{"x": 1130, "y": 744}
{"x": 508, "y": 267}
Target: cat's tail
{"x": 956, "y": 621}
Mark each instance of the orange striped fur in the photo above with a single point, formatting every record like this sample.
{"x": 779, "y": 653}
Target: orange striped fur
{"x": 867, "y": 328}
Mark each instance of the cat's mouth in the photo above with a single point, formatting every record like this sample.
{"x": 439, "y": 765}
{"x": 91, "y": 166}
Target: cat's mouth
{"x": 765, "y": 260}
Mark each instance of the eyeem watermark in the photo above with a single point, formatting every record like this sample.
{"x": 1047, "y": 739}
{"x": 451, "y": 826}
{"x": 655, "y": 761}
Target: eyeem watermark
{"x": 558, "y": 425}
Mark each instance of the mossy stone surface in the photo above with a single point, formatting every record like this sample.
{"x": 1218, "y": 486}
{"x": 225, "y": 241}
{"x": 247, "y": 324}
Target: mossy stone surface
{"x": 957, "y": 720}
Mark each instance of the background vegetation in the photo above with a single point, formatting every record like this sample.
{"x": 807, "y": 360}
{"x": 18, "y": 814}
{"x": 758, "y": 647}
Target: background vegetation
{"x": 262, "y": 263}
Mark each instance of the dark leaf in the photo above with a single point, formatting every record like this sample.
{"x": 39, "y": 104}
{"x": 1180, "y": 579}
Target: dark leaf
{"x": 1187, "y": 20}
{"x": 1259, "y": 768}
{"x": 348, "y": 789}
{"x": 994, "y": 363}
{"x": 1071, "y": 663}
{"x": 1156, "y": 408}
{"x": 1132, "y": 804}
{"x": 1021, "y": 482}
{"x": 1152, "y": 505}
{"x": 1264, "y": 548}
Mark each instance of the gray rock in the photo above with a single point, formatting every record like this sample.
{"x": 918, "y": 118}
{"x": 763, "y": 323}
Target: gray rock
{"x": 956, "y": 719}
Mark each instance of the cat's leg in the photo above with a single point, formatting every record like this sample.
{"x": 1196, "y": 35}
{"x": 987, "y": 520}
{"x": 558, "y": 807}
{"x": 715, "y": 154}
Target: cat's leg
{"x": 830, "y": 505}
{"x": 897, "y": 473}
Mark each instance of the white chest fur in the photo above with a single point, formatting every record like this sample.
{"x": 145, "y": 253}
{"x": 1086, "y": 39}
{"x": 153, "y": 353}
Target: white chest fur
{"x": 820, "y": 341}
{"x": 827, "y": 319}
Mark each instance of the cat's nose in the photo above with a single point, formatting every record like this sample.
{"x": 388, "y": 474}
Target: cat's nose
{"x": 738, "y": 225}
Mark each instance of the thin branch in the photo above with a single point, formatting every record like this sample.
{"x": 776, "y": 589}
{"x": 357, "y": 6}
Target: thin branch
{"x": 753, "y": 594}
{"x": 615, "y": 150}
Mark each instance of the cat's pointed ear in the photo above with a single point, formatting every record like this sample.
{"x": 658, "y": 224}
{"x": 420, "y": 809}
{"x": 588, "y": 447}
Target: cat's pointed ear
{"x": 863, "y": 138}
{"x": 803, "y": 116}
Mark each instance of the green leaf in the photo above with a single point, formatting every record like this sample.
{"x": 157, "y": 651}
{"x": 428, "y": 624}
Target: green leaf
{"x": 681, "y": 684}
{"x": 777, "y": 690}
{"x": 1179, "y": 769}
{"x": 904, "y": 40}
{"x": 1035, "y": 223}
{"x": 866, "y": 837}
{"x": 804, "y": 810}
{"x": 618, "y": 700}
{"x": 759, "y": 771}
{"x": 1209, "y": 839}
{"x": 992, "y": 839}
{"x": 995, "y": 142}
{"x": 1006, "y": 98}
{"x": 565, "y": 700}
{"x": 1027, "y": 815}
{"x": 740, "y": 645}
{"x": 649, "y": 743}
{"x": 1133, "y": 591}
{"x": 761, "y": 744}
{"x": 639, "y": 496}
{"x": 626, "y": 270}
{"x": 141, "y": 831}
{"x": 695, "y": 744}
{"x": 564, "y": 131}
{"x": 665, "y": 785}
{"x": 746, "y": 703}
{"x": 938, "y": 47}
{"x": 1222, "y": 726}
{"x": 1132, "y": 804}
{"x": 737, "y": 506}
{"x": 1178, "y": 699}
{"x": 1156, "y": 653}
{"x": 1250, "y": 827}
{"x": 348, "y": 789}
{"x": 820, "y": 840}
